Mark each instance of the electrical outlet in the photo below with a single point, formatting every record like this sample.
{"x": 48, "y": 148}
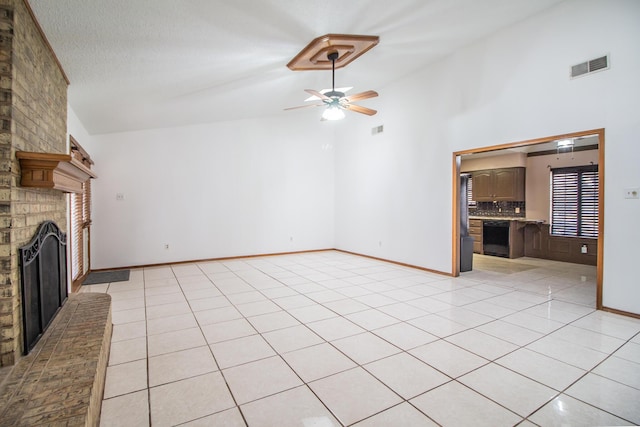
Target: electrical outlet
{"x": 631, "y": 193}
{"x": 583, "y": 249}
{"x": 119, "y": 196}
{"x": 166, "y": 246}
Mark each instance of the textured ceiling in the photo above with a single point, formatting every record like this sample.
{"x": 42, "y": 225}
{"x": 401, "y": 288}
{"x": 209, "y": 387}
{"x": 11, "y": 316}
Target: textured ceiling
{"x": 137, "y": 64}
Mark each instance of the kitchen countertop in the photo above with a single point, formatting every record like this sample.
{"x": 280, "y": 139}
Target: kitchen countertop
{"x": 509, "y": 218}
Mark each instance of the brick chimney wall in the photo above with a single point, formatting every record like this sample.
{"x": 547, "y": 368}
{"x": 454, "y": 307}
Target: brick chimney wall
{"x": 33, "y": 117}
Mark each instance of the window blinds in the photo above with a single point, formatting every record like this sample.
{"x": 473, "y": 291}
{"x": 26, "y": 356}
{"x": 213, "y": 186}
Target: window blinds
{"x": 76, "y": 234}
{"x": 574, "y": 201}
{"x": 470, "y": 202}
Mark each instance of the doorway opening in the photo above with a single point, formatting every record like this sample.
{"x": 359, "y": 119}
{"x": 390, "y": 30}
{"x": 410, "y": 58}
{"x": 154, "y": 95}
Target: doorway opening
{"x": 552, "y": 145}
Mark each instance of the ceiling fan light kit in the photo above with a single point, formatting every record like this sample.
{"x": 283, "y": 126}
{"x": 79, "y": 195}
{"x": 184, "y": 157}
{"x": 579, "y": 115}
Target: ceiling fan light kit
{"x": 333, "y": 112}
{"x": 336, "y": 102}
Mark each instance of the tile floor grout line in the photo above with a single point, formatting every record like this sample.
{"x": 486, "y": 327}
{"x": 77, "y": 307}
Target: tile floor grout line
{"x": 496, "y": 402}
{"x": 563, "y": 392}
{"x": 558, "y": 393}
{"x": 307, "y": 384}
{"x": 304, "y": 383}
{"x": 358, "y": 365}
{"x": 228, "y": 388}
{"x": 277, "y": 354}
{"x": 325, "y": 267}
{"x": 524, "y": 347}
{"x": 146, "y": 335}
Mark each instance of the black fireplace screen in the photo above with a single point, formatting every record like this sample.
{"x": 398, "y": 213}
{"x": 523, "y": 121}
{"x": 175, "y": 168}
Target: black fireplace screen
{"x": 43, "y": 271}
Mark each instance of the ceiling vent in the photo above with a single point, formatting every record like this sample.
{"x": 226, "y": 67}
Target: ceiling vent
{"x": 591, "y": 66}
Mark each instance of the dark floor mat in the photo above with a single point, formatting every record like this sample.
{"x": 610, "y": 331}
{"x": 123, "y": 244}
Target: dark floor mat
{"x": 106, "y": 277}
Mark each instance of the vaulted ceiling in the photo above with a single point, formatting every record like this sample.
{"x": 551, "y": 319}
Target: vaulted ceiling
{"x": 137, "y": 64}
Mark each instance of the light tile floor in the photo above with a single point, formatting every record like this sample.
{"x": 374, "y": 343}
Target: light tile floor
{"x": 332, "y": 339}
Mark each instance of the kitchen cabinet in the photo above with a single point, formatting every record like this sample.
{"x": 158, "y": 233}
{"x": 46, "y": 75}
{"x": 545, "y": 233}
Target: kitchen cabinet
{"x": 475, "y": 231}
{"x": 540, "y": 243}
{"x": 499, "y": 185}
{"x": 516, "y": 239}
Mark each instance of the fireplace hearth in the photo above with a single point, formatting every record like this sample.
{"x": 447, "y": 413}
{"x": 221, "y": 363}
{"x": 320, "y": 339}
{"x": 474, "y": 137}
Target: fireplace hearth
{"x": 43, "y": 266}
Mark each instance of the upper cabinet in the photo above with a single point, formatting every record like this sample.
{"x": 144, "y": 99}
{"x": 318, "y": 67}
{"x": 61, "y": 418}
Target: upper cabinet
{"x": 497, "y": 185}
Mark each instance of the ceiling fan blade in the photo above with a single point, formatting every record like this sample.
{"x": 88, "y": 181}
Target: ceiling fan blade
{"x": 318, "y": 94}
{"x": 304, "y": 106}
{"x": 359, "y": 109}
{"x": 361, "y": 95}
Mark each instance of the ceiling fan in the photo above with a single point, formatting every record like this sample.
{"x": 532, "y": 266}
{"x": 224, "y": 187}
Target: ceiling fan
{"x": 336, "y": 102}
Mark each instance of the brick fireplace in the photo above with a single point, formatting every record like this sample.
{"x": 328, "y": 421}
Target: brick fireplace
{"x": 33, "y": 116}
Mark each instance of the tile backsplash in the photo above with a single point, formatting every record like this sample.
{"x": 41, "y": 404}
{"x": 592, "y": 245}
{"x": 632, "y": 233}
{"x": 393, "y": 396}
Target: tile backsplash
{"x": 492, "y": 209}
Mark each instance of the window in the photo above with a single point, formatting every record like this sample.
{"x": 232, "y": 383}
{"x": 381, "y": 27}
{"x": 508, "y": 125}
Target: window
{"x": 80, "y": 220}
{"x": 472, "y": 203}
{"x": 574, "y": 201}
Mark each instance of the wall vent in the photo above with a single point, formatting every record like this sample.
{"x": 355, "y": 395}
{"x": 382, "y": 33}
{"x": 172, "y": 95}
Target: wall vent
{"x": 591, "y": 66}
{"x": 376, "y": 130}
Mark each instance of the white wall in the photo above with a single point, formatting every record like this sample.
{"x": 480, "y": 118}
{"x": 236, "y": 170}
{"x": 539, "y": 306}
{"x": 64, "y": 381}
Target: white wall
{"x": 393, "y": 195}
{"x": 76, "y": 129}
{"x": 396, "y": 187}
{"x": 237, "y": 188}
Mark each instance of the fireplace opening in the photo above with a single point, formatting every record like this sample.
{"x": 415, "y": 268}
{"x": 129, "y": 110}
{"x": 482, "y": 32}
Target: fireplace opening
{"x": 43, "y": 268}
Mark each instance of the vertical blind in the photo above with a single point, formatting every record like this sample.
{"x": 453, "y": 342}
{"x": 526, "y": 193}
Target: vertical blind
{"x": 574, "y": 201}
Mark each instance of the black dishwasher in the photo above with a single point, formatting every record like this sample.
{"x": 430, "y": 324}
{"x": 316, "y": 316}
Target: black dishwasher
{"x": 495, "y": 238}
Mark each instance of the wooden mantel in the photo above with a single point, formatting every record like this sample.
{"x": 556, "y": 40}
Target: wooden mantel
{"x": 57, "y": 171}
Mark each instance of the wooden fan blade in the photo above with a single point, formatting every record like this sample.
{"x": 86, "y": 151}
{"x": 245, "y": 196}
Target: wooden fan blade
{"x": 304, "y": 106}
{"x": 318, "y": 94}
{"x": 361, "y": 95}
{"x": 359, "y": 109}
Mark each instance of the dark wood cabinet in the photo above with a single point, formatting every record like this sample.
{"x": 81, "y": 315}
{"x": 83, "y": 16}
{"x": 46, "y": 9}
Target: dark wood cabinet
{"x": 540, "y": 243}
{"x": 482, "y": 186}
{"x": 475, "y": 231}
{"x": 499, "y": 185}
{"x": 516, "y": 239}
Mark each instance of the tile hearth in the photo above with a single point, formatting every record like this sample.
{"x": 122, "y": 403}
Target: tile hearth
{"x": 333, "y": 339}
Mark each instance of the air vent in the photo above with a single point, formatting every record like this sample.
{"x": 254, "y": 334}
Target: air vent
{"x": 591, "y": 66}
{"x": 601, "y": 63}
{"x": 376, "y": 130}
